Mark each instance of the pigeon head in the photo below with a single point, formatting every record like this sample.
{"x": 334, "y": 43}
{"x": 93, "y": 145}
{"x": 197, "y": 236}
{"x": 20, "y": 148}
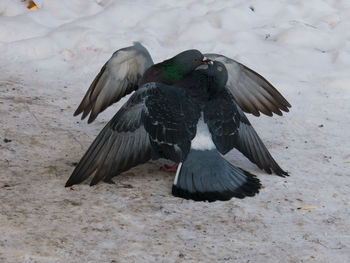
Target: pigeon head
{"x": 212, "y": 78}
{"x": 189, "y": 59}
{"x": 182, "y": 64}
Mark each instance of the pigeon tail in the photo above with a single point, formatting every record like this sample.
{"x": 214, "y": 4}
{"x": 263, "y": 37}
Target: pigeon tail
{"x": 206, "y": 175}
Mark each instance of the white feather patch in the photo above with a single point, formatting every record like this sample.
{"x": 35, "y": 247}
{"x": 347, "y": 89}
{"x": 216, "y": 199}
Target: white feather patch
{"x": 177, "y": 173}
{"x": 202, "y": 140}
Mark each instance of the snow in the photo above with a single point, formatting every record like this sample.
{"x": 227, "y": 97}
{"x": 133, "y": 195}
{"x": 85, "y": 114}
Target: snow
{"x": 51, "y": 55}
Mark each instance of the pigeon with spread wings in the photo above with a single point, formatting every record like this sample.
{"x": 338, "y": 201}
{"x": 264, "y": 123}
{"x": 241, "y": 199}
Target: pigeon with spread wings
{"x": 194, "y": 122}
{"x": 127, "y": 70}
{"x": 115, "y": 143}
{"x": 130, "y": 67}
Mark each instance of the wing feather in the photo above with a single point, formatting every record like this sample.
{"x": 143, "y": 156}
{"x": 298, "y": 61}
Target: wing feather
{"x": 252, "y": 92}
{"x": 118, "y": 77}
{"x": 250, "y": 144}
{"x": 122, "y": 144}
{"x": 230, "y": 129}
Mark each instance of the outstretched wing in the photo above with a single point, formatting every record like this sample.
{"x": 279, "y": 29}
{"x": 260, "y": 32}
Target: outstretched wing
{"x": 253, "y": 93}
{"x": 230, "y": 129}
{"x": 250, "y": 144}
{"x": 118, "y": 77}
{"x": 170, "y": 119}
{"x": 122, "y": 144}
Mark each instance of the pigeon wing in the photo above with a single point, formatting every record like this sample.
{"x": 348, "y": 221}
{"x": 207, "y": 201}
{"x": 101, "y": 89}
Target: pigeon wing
{"x": 118, "y": 77}
{"x": 121, "y": 145}
{"x": 250, "y": 144}
{"x": 252, "y": 92}
{"x": 230, "y": 129}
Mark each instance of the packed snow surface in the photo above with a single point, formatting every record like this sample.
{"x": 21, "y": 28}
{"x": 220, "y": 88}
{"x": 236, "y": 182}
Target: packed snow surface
{"x": 50, "y": 56}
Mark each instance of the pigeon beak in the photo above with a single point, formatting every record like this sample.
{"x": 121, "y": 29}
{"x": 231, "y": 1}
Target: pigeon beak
{"x": 206, "y": 60}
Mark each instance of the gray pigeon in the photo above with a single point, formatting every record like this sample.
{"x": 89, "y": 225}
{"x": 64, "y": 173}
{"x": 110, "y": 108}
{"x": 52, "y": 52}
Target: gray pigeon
{"x": 193, "y": 122}
{"x": 125, "y": 129}
{"x": 130, "y": 67}
{"x": 127, "y": 70}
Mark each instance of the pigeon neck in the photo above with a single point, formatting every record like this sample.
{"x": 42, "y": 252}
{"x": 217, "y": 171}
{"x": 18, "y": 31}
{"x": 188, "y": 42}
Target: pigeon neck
{"x": 173, "y": 71}
{"x": 207, "y": 85}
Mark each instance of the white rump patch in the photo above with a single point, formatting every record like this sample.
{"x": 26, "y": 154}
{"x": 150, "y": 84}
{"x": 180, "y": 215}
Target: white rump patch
{"x": 177, "y": 173}
{"x": 202, "y": 140}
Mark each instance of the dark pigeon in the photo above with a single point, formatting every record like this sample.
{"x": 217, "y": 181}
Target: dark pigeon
{"x": 127, "y": 70}
{"x": 180, "y": 123}
{"x": 125, "y": 130}
{"x": 130, "y": 67}
{"x": 223, "y": 109}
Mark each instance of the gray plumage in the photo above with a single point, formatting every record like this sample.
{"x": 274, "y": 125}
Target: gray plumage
{"x": 206, "y": 175}
{"x": 230, "y": 129}
{"x": 138, "y": 132}
{"x": 122, "y": 144}
{"x": 123, "y": 72}
{"x": 120, "y": 76}
{"x": 161, "y": 121}
{"x": 252, "y": 92}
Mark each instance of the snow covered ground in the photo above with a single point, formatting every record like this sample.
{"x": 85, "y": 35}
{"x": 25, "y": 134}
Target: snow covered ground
{"x": 50, "y": 56}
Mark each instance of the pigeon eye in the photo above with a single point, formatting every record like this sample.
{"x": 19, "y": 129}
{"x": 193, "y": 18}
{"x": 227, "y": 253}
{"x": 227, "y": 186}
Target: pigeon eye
{"x": 219, "y": 68}
{"x": 195, "y": 59}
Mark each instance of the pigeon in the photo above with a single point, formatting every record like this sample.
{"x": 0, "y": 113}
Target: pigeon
{"x": 127, "y": 70}
{"x": 131, "y": 67}
{"x": 125, "y": 129}
{"x": 193, "y": 122}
